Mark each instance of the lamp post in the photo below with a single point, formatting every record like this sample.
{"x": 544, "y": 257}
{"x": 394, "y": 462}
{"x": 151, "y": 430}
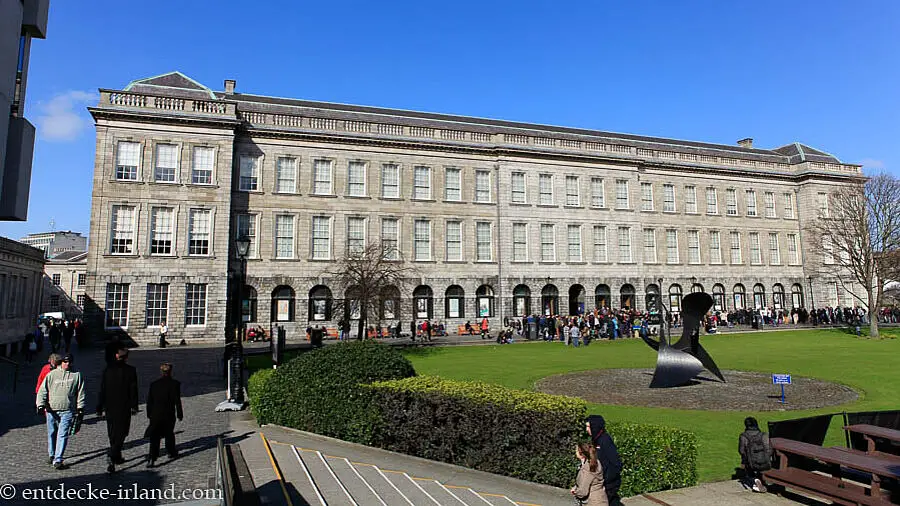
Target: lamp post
{"x": 234, "y": 348}
{"x": 812, "y": 303}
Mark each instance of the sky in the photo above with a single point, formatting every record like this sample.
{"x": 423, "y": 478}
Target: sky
{"x": 822, "y": 72}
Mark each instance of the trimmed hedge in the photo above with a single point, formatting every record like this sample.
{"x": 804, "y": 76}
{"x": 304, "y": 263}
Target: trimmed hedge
{"x": 526, "y": 435}
{"x": 321, "y": 391}
{"x": 654, "y": 458}
{"x": 257, "y": 384}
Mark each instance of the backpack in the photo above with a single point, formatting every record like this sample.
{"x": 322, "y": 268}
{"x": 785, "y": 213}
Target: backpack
{"x": 758, "y": 454}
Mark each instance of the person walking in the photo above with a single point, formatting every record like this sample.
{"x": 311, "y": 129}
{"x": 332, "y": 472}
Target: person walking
{"x": 608, "y": 456}
{"x": 412, "y": 330}
{"x": 163, "y": 407}
{"x": 53, "y": 362}
{"x": 61, "y": 400}
{"x": 68, "y": 331}
{"x": 588, "y": 489}
{"x": 575, "y": 334}
{"x": 484, "y": 328}
{"x": 756, "y": 454}
{"x": 55, "y": 336}
{"x": 119, "y": 400}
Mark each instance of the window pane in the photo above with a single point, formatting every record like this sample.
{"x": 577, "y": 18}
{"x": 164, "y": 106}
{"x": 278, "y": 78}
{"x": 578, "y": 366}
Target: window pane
{"x": 286, "y": 175}
{"x": 249, "y": 177}
{"x": 574, "y": 241}
{"x": 621, "y": 194}
{"x": 202, "y": 165}
{"x": 694, "y": 246}
{"x": 198, "y": 234}
{"x": 545, "y": 184}
{"x": 548, "y": 243}
{"x": 573, "y": 194}
{"x": 390, "y": 181}
{"x": 483, "y": 247}
{"x": 454, "y": 240}
{"x": 649, "y": 245}
{"x": 672, "y": 246}
{"x": 246, "y": 226}
{"x": 598, "y": 198}
{"x": 122, "y": 230}
{"x": 518, "y": 187}
{"x": 731, "y": 202}
{"x": 646, "y": 197}
{"x": 117, "y": 304}
{"x": 735, "y": 247}
{"x": 712, "y": 201}
{"x": 162, "y": 231}
{"x": 788, "y": 205}
{"x": 356, "y": 179}
{"x": 669, "y": 198}
{"x": 166, "y": 163}
{"x": 322, "y": 177}
{"x": 422, "y": 240}
{"x": 715, "y": 247}
{"x": 770, "y": 204}
{"x": 452, "y": 184}
{"x": 755, "y": 253}
{"x": 356, "y": 235}
{"x": 128, "y": 157}
{"x": 625, "y": 245}
{"x": 774, "y": 250}
{"x": 157, "y": 303}
{"x": 195, "y": 304}
{"x": 751, "y": 202}
{"x": 520, "y": 242}
{"x": 600, "y": 251}
{"x": 690, "y": 199}
{"x": 321, "y": 237}
{"x": 284, "y": 236}
{"x": 390, "y": 239}
{"x": 482, "y": 186}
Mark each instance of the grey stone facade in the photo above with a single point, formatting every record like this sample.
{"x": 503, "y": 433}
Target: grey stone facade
{"x": 21, "y": 268}
{"x": 352, "y": 150}
{"x": 65, "y": 277}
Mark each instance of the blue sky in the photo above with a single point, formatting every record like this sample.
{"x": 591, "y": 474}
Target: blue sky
{"x": 820, "y": 72}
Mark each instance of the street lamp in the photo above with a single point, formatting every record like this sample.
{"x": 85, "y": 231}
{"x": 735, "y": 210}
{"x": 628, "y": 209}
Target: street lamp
{"x": 812, "y": 302}
{"x": 234, "y": 348}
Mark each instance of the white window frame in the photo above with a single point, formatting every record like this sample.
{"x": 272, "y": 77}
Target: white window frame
{"x": 545, "y": 189}
{"x": 731, "y": 206}
{"x": 196, "y": 170}
{"x": 455, "y": 238}
{"x": 601, "y": 244}
{"x": 789, "y": 207}
{"x": 329, "y": 220}
{"x": 623, "y": 199}
{"x": 483, "y": 194}
{"x": 518, "y": 188}
{"x": 690, "y": 199}
{"x": 480, "y": 245}
{"x": 625, "y": 245}
{"x": 520, "y": 242}
{"x": 822, "y": 201}
{"x": 647, "y": 196}
{"x": 252, "y": 180}
{"x": 319, "y": 184}
{"x": 122, "y": 306}
{"x": 252, "y": 220}
{"x": 695, "y": 256}
{"x": 120, "y": 169}
{"x": 154, "y": 229}
{"x": 548, "y": 242}
{"x": 794, "y": 250}
{"x": 284, "y": 164}
{"x": 452, "y": 184}
{"x": 281, "y": 238}
{"x": 774, "y": 249}
{"x": 715, "y": 247}
{"x": 575, "y": 247}
{"x": 125, "y": 235}
{"x": 385, "y": 169}
{"x": 673, "y": 256}
{"x": 739, "y": 258}
{"x": 423, "y": 245}
{"x": 650, "y": 255}
{"x": 191, "y": 232}
{"x": 669, "y": 198}
{"x": 364, "y": 228}
{"x": 199, "y": 313}
{"x": 598, "y": 192}
{"x": 755, "y": 248}
{"x": 771, "y": 206}
{"x": 422, "y": 192}
{"x": 573, "y": 191}
{"x": 156, "y": 308}
{"x": 351, "y": 184}
{"x": 750, "y": 195}
{"x": 712, "y": 201}
{"x": 175, "y": 164}
{"x": 391, "y": 254}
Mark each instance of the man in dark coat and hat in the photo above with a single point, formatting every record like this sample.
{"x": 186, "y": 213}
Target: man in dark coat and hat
{"x": 608, "y": 456}
{"x": 163, "y": 407}
{"x": 119, "y": 399}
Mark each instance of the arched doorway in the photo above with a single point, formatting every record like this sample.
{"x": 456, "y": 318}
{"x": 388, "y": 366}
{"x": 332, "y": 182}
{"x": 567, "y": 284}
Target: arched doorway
{"x": 576, "y": 300}
{"x": 522, "y": 300}
{"x": 651, "y": 301}
{"x": 778, "y": 296}
{"x": 675, "y": 294}
{"x": 797, "y": 296}
{"x": 550, "y": 300}
{"x": 484, "y": 301}
{"x": 248, "y": 304}
{"x": 718, "y": 297}
{"x": 423, "y": 301}
{"x": 759, "y": 296}
{"x": 740, "y": 295}
{"x": 454, "y": 302}
{"x": 320, "y": 302}
{"x": 283, "y": 304}
{"x": 389, "y": 303}
{"x": 626, "y": 296}
{"x": 697, "y": 288}
{"x": 602, "y": 296}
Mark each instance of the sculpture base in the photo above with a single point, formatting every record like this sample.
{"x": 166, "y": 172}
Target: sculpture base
{"x": 231, "y": 406}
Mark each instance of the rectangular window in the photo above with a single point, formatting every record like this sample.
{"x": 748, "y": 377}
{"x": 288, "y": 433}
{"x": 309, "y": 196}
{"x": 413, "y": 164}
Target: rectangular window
{"x": 249, "y": 177}
{"x": 422, "y": 183}
{"x": 356, "y": 235}
{"x": 573, "y": 193}
{"x": 769, "y": 199}
{"x": 668, "y": 198}
{"x": 122, "y": 235}
{"x": 672, "y": 246}
{"x": 517, "y": 184}
{"x": 715, "y": 247}
{"x": 712, "y": 201}
{"x": 625, "y": 245}
{"x": 117, "y": 304}
{"x": 422, "y": 240}
{"x": 356, "y": 179}
{"x": 286, "y": 175}
{"x": 774, "y": 249}
{"x": 162, "y": 231}
{"x": 573, "y": 236}
{"x": 454, "y": 241}
{"x": 649, "y": 246}
{"x": 545, "y": 187}
{"x": 452, "y": 184}
{"x": 82, "y": 279}
{"x": 788, "y": 205}
{"x": 483, "y": 242}
{"x": 520, "y": 242}
{"x": 827, "y": 250}
{"x": 321, "y": 237}
{"x": 166, "y": 163}
{"x": 731, "y": 202}
{"x": 390, "y": 238}
{"x": 736, "y": 248}
{"x": 755, "y": 249}
{"x": 390, "y": 181}
{"x": 79, "y": 300}
{"x": 751, "y": 202}
{"x": 548, "y": 242}
{"x": 823, "y": 204}
{"x": 56, "y": 279}
{"x": 246, "y": 226}
{"x": 128, "y": 158}
{"x": 157, "y": 303}
{"x": 195, "y": 304}
{"x": 322, "y": 183}
{"x": 598, "y": 192}
{"x": 646, "y": 196}
{"x": 482, "y": 186}
{"x": 690, "y": 199}
{"x": 601, "y": 253}
{"x": 793, "y": 249}
{"x": 54, "y": 302}
{"x": 202, "y": 163}
{"x": 284, "y": 236}
{"x": 199, "y": 232}
{"x": 694, "y": 246}
{"x": 622, "y": 194}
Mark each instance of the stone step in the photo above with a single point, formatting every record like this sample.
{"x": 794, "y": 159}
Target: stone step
{"x": 411, "y": 489}
{"x": 440, "y": 492}
{"x": 295, "y": 475}
{"x": 363, "y": 492}
{"x": 330, "y": 487}
{"x": 383, "y": 486}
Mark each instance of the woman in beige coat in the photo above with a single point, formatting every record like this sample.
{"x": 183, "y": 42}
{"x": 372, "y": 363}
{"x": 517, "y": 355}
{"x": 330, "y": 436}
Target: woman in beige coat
{"x": 589, "y": 483}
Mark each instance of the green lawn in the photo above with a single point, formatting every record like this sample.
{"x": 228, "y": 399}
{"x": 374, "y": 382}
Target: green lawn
{"x": 867, "y": 365}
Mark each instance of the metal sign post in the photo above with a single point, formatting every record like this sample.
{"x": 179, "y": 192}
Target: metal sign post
{"x": 781, "y": 379}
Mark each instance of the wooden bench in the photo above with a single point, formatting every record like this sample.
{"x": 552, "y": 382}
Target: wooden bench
{"x": 373, "y": 333}
{"x": 832, "y": 487}
{"x": 461, "y": 331}
{"x": 331, "y": 333}
{"x": 873, "y": 432}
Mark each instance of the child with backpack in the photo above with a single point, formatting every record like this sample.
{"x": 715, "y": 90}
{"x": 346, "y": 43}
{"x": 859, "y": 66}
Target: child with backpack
{"x": 756, "y": 454}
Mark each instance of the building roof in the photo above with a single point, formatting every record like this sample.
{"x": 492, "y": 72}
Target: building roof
{"x": 68, "y": 257}
{"x": 173, "y": 81}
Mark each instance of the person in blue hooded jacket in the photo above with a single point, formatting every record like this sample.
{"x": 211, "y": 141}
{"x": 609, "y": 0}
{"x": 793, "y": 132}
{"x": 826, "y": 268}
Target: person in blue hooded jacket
{"x": 608, "y": 456}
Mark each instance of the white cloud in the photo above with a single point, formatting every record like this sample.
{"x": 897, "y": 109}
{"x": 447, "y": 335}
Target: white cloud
{"x": 871, "y": 163}
{"x": 63, "y": 117}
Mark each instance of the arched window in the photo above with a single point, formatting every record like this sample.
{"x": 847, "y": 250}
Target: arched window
{"x": 797, "y": 295}
{"x": 550, "y": 300}
{"x": 740, "y": 294}
{"x": 576, "y": 300}
{"x": 248, "y": 304}
{"x": 675, "y": 294}
{"x": 484, "y": 301}
{"x": 283, "y": 304}
{"x": 390, "y": 303}
{"x": 320, "y": 302}
{"x": 454, "y": 302}
{"x": 601, "y": 296}
{"x": 778, "y": 296}
{"x": 697, "y": 288}
{"x": 423, "y": 301}
{"x": 522, "y": 300}
{"x": 352, "y": 298}
{"x": 626, "y": 294}
{"x": 718, "y": 297}
{"x": 759, "y": 296}
{"x": 651, "y": 301}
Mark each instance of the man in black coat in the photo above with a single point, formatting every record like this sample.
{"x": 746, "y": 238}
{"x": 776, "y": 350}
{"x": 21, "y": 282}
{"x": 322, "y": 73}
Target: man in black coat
{"x": 163, "y": 406}
{"x": 608, "y": 456}
{"x": 119, "y": 399}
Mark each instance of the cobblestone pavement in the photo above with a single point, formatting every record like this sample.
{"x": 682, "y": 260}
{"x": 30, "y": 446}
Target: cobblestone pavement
{"x": 23, "y": 436}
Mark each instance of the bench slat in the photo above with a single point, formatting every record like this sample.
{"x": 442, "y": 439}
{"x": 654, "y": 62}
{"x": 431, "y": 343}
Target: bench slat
{"x": 824, "y": 486}
{"x": 868, "y": 463}
{"x": 875, "y": 431}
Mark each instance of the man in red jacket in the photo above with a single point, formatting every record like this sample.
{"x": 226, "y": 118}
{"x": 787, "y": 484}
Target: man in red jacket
{"x": 52, "y": 363}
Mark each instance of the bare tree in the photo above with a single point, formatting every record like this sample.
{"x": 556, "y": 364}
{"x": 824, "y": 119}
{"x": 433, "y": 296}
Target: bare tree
{"x": 859, "y": 230}
{"x": 372, "y": 279}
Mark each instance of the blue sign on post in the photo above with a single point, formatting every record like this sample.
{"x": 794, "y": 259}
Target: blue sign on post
{"x": 781, "y": 379}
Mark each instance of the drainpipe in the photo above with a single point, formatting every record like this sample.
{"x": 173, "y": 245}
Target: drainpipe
{"x": 499, "y": 296}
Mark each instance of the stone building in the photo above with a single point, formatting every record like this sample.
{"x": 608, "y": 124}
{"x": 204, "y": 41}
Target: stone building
{"x": 54, "y": 243}
{"x": 496, "y": 218}
{"x": 20, "y": 292}
{"x": 64, "y": 279}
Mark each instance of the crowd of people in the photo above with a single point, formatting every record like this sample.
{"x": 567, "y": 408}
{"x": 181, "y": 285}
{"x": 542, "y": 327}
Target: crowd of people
{"x": 55, "y": 333}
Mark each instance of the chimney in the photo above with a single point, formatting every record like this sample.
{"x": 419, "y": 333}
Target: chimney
{"x": 229, "y": 86}
{"x": 744, "y": 143}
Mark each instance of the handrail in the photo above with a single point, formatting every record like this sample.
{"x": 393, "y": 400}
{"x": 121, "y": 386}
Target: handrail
{"x": 223, "y": 473}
